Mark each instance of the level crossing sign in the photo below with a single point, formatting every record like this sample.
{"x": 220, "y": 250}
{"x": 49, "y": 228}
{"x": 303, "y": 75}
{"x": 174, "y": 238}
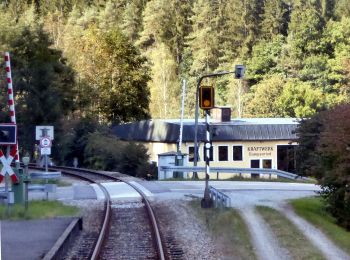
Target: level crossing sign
{"x": 44, "y": 131}
{"x": 6, "y": 162}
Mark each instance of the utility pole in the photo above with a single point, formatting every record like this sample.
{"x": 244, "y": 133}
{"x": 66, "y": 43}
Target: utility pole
{"x": 182, "y": 114}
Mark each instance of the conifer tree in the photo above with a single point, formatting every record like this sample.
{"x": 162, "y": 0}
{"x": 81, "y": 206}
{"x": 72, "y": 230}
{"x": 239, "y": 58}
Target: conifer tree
{"x": 274, "y": 18}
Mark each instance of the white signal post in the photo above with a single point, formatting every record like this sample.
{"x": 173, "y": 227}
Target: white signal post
{"x": 45, "y": 135}
{"x": 45, "y": 149}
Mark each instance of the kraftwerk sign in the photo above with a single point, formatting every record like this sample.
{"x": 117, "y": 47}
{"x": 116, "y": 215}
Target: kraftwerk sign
{"x": 260, "y": 150}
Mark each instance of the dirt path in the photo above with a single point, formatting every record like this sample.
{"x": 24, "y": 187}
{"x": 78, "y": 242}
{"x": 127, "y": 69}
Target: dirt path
{"x": 316, "y": 237}
{"x": 265, "y": 243}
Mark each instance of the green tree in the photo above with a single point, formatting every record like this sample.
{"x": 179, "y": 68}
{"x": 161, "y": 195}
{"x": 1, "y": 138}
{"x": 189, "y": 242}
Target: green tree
{"x": 132, "y": 19}
{"x": 328, "y": 8}
{"x": 337, "y": 37}
{"x": 166, "y": 22}
{"x": 274, "y": 19}
{"x": 203, "y": 41}
{"x": 324, "y": 152}
{"x": 299, "y": 99}
{"x": 316, "y": 72}
{"x": 116, "y": 72}
{"x": 262, "y": 100}
{"x": 305, "y": 31}
{"x": 43, "y": 83}
{"x": 342, "y": 9}
{"x": 164, "y": 86}
{"x": 110, "y": 15}
{"x": 162, "y": 39}
{"x": 242, "y": 25}
{"x": 265, "y": 58}
{"x": 16, "y": 8}
{"x": 308, "y": 133}
{"x": 203, "y": 45}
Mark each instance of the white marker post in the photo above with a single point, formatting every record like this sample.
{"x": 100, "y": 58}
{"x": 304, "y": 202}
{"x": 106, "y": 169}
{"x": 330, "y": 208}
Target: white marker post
{"x": 45, "y": 135}
{"x": 45, "y": 149}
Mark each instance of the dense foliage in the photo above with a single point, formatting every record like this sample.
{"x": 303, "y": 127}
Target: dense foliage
{"x": 104, "y": 79}
{"x": 301, "y": 47}
{"x": 324, "y": 152}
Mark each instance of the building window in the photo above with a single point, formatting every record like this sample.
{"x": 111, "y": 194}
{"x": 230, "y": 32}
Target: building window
{"x": 210, "y": 153}
{"x": 190, "y": 153}
{"x": 223, "y": 153}
{"x": 267, "y": 163}
{"x": 237, "y": 153}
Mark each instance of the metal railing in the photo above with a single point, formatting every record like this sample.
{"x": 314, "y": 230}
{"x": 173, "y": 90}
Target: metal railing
{"x": 279, "y": 173}
{"x": 220, "y": 199}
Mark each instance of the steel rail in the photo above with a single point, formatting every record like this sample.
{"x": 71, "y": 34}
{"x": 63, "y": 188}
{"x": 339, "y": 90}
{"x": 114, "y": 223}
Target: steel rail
{"x": 105, "y": 226}
{"x": 107, "y": 214}
{"x": 156, "y": 233}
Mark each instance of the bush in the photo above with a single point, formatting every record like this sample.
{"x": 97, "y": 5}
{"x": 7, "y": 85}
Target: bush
{"x": 324, "y": 152}
{"x": 93, "y": 146}
{"x": 104, "y": 152}
{"x": 75, "y": 139}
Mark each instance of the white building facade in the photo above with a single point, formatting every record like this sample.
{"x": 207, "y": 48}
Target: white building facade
{"x": 238, "y": 143}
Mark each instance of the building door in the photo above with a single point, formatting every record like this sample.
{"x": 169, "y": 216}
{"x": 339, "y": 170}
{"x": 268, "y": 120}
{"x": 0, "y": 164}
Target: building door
{"x": 286, "y": 158}
{"x": 255, "y": 164}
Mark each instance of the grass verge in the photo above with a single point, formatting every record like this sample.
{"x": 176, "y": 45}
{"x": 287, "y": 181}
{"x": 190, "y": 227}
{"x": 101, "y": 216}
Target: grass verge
{"x": 39, "y": 209}
{"x": 228, "y": 230}
{"x": 288, "y": 235}
{"x": 313, "y": 210}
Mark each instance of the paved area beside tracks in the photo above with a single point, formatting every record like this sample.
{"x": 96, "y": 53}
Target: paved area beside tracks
{"x": 30, "y": 239}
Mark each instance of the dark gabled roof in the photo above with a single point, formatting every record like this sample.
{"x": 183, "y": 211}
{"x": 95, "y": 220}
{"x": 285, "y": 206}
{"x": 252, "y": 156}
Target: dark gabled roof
{"x": 236, "y": 130}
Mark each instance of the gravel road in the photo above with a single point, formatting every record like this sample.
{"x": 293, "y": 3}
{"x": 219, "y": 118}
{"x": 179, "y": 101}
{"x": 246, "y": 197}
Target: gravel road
{"x": 264, "y": 241}
{"x": 326, "y": 246}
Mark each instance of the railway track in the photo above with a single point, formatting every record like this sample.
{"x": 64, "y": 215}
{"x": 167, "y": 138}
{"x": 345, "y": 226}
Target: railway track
{"x": 128, "y": 230}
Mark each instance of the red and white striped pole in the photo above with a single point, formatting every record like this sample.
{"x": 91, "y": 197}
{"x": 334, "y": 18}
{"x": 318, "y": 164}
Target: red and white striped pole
{"x": 11, "y": 100}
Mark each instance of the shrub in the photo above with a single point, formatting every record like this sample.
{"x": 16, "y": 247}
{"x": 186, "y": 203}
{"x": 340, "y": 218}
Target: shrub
{"x": 105, "y": 152}
{"x": 324, "y": 152}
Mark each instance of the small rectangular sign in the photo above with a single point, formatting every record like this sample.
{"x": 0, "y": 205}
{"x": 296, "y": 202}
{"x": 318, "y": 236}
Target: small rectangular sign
{"x": 8, "y": 134}
{"x": 45, "y": 151}
{"x": 42, "y": 131}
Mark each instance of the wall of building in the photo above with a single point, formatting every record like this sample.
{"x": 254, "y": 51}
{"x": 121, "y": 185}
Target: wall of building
{"x": 251, "y": 150}
{"x": 263, "y": 153}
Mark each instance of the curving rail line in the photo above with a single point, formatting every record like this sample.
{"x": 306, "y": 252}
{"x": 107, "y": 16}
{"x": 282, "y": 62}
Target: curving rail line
{"x": 95, "y": 176}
